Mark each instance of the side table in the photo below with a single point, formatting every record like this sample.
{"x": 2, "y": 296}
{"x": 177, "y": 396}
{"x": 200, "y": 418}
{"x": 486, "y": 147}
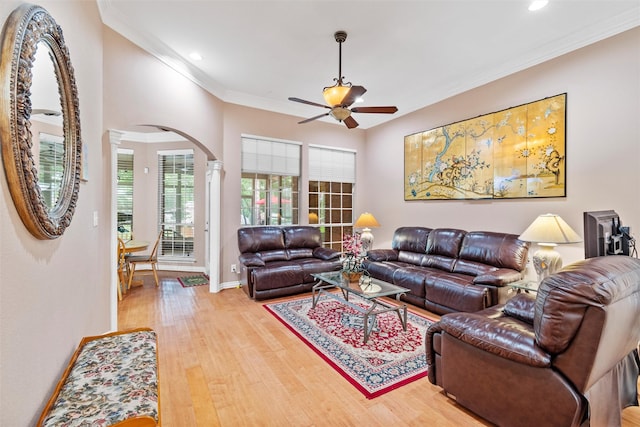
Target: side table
{"x": 526, "y": 286}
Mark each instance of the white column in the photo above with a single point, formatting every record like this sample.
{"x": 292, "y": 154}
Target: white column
{"x": 213, "y": 180}
{"x": 114, "y": 139}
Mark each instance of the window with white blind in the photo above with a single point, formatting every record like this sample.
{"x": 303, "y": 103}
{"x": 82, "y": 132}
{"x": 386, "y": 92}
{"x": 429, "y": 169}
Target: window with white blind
{"x": 332, "y": 177}
{"x": 50, "y": 168}
{"x": 125, "y": 193}
{"x": 270, "y": 181}
{"x": 176, "y": 203}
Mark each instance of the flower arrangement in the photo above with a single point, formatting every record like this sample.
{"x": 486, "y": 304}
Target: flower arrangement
{"x": 353, "y": 254}
{"x": 352, "y": 245}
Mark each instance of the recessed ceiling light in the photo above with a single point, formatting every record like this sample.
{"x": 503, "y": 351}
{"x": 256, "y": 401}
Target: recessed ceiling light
{"x": 195, "y": 56}
{"x": 537, "y": 5}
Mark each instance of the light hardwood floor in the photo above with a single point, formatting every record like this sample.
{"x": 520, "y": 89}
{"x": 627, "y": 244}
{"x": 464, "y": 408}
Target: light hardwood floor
{"x": 225, "y": 361}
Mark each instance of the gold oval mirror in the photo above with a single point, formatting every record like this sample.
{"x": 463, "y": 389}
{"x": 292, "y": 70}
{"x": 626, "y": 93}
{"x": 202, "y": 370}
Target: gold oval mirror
{"x": 44, "y": 186}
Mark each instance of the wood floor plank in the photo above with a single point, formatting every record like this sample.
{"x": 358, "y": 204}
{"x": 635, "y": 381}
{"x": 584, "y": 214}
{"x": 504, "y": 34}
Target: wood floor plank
{"x": 225, "y": 361}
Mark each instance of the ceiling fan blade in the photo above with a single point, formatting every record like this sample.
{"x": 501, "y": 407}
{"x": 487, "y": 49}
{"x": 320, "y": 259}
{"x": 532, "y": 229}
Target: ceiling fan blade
{"x": 308, "y": 102}
{"x": 313, "y": 118}
{"x": 382, "y": 110}
{"x": 354, "y": 93}
{"x": 350, "y": 122}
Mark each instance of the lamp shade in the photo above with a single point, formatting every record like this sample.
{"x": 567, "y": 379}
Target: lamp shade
{"x": 366, "y": 220}
{"x": 334, "y": 95}
{"x": 551, "y": 229}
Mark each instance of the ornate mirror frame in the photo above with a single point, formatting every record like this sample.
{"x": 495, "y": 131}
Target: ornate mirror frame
{"x": 27, "y": 26}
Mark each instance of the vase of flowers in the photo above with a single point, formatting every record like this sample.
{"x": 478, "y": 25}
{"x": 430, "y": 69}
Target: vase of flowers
{"x": 352, "y": 268}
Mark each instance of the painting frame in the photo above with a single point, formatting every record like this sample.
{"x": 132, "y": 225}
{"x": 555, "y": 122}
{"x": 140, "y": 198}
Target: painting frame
{"x": 515, "y": 153}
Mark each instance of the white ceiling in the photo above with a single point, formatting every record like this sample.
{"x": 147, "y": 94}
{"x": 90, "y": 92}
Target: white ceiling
{"x": 406, "y": 53}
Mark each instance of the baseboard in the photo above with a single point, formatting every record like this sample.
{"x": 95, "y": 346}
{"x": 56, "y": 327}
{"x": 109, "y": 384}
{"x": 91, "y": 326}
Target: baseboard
{"x": 171, "y": 267}
{"x": 230, "y": 285}
{"x": 186, "y": 268}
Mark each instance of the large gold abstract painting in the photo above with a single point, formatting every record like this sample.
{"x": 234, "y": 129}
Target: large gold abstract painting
{"x": 514, "y": 153}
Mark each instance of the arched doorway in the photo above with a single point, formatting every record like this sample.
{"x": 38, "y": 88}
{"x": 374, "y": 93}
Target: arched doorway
{"x": 211, "y": 209}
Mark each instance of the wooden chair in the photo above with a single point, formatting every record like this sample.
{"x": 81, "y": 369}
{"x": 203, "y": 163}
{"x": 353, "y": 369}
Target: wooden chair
{"x": 123, "y": 268}
{"x": 152, "y": 259}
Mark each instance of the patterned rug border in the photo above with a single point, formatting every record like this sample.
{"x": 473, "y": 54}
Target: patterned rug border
{"x": 338, "y": 368}
{"x": 186, "y": 285}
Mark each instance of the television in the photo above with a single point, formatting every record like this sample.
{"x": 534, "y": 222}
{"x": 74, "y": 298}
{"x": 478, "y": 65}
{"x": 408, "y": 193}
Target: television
{"x": 604, "y": 234}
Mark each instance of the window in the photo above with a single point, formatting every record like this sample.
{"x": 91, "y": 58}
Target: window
{"x": 125, "y": 194}
{"x": 331, "y": 185}
{"x": 51, "y": 168}
{"x": 270, "y": 182}
{"x": 176, "y": 203}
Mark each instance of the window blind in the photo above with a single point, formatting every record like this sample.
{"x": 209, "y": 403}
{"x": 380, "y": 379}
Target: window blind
{"x": 176, "y": 201}
{"x": 269, "y": 156}
{"x": 125, "y": 192}
{"x": 331, "y": 164}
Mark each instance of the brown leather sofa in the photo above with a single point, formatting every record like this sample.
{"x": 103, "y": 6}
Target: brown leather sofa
{"x": 567, "y": 357}
{"x": 449, "y": 270}
{"x": 279, "y": 261}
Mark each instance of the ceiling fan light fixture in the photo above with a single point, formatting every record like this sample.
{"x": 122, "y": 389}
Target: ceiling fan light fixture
{"x": 334, "y": 95}
{"x": 340, "y": 113}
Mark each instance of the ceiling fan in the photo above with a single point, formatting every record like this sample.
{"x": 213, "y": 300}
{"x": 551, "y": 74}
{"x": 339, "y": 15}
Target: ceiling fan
{"x": 340, "y": 96}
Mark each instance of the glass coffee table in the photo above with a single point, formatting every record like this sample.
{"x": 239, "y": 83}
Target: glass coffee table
{"x": 371, "y": 292}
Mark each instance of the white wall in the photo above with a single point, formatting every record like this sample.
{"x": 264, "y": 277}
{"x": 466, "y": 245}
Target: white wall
{"x": 602, "y": 82}
{"x": 54, "y": 292}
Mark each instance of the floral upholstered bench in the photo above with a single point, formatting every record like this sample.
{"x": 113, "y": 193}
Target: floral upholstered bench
{"x": 111, "y": 380}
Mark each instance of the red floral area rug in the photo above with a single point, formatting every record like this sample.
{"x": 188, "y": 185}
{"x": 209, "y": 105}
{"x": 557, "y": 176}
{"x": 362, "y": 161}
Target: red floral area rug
{"x": 390, "y": 358}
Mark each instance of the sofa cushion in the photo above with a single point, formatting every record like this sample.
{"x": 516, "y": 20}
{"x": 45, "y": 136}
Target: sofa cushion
{"x": 445, "y": 242}
{"x": 497, "y": 249}
{"x": 325, "y": 253}
{"x": 412, "y": 239}
{"x": 251, "y": 260}
{"x": 298, "y": 253}
{"x": 408, "y": 257}
{"x": 383, "y": 270}
{"x": 438, "y": 261}
{"x": 498, "y": 277}
{"x": 382, "y": 255}
{"x": 311, "y": 266}
{"x": 271, "y": 256}
{"x": 277, "y": 274}
{"x": 455, "y": 291}
{"x": 256, "y": 239}
{"x": 472, "y": 268}
{"x": 302, "y": 237}
{"x": 411, "y": 278}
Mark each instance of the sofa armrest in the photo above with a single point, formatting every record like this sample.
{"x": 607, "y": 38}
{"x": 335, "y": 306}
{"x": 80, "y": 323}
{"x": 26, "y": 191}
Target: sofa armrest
{"x": 504, "y": 336}
{"x": 499, "y": 277}
{"x": 378, "y": 255}
{"x": 251, "y": 260}
{"x": 522, "y": 307}
{"x": 325, "y": 253}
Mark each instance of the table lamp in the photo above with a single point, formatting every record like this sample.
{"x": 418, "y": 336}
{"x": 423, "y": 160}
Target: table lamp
{"x": 366, "y": 221}
{"x": 547, "y": 231}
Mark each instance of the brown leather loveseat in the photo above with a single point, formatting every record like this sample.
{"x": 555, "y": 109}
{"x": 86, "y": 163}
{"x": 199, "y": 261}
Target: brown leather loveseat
{"x": 567, "y": 357}
{"x": 279, "y": 261}
{"x": 448, "y": 270}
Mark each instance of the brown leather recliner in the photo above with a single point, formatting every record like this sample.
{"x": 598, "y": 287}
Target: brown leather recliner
{"x": 567, "y": 357}
{"x": 279, "y": 261}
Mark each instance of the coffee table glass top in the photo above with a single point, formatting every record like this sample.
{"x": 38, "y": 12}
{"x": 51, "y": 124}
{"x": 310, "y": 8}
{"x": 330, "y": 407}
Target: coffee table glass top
{"x": 376, "y": 288}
